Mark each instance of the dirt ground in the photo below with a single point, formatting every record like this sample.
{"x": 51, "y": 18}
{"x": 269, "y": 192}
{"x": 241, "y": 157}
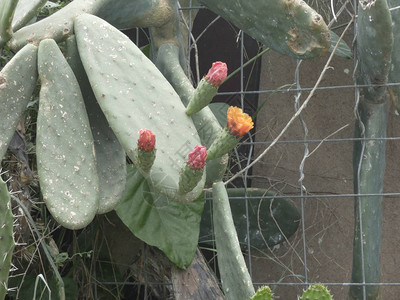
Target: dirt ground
{"x": 329, "y": 222}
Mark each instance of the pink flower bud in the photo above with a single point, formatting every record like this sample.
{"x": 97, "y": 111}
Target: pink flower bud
{"x": 217, "y": 74}
{"x": 147, "y": 140}
{"x": 197, "y": 158}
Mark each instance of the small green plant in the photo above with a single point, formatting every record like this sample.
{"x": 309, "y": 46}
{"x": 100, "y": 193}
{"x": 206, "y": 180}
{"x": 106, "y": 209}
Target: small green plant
{"x": 316, "y": 292}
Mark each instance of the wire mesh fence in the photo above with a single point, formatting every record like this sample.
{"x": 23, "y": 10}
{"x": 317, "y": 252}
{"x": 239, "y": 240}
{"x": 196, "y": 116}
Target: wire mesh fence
{"x": 309, "y": 162}
{"x": 299, "y": 155}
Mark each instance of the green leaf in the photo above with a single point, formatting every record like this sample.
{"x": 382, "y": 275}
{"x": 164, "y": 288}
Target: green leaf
{"x": 171, "y": 226}
{"x": 342, "y": 50}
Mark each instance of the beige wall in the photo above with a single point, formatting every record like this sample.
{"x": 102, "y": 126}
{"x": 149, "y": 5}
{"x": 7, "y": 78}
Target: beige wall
{"x": 328, "y": 221}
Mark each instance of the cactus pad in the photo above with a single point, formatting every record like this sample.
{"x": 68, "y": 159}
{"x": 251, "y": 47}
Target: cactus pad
{"x": 65, "y": 151}
{"x": 316, "y": 292}
{"x": 290, "y": 27}
{"x": 133, "y": 94}
{"x": 110, "y": 157}
{"x": 17, "y": 82}
{"x": 6, "y": 237}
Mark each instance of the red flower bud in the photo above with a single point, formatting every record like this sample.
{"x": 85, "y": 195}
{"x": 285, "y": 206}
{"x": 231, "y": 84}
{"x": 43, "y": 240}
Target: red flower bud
{"x": 197, "y": 158}
{"x": 217, "y": 74}
{"x": 147, "y": 140}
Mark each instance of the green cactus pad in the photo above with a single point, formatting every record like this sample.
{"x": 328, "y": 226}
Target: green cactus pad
{"x": 123, "y": 14}
{"x": 6, "y": 237}
{"x": 17, "y": 82}
{"x": 202, "y": 96}
{"x": 25, "y": 11}
{"x": 374, "y": 47}
{"x": 290, "y": 27}
{"x": 222, "y": 145}
{"x": 235, "y": 278}
{"x": 133, "y": 94}
{"x": 278, "y": 218}
{"x": 7, "y": 9}
{"x": 394, "y": 75}
{"x": 316, "y": 292}
{"x": 369, "y": 172}
{"x": 110, "y": 156}
{"x": 65, "y": 151}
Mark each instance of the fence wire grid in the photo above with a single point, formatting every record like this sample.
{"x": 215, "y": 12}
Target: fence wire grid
{"x": 339, "y": 13}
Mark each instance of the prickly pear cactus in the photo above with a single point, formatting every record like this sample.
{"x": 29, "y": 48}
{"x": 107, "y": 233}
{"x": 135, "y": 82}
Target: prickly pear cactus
{"x": 236, "y": 281}
{"x": 6, "y": 237}
{"x": 64, "y": 145}
{"x": 374, "y": 47}
{"x": 290, "y": 27}
{"x": 110, "y": 156}
{"x": 17, "y": 82}
{"x": 316, "y": 292}
{"x": 136, "y": 99}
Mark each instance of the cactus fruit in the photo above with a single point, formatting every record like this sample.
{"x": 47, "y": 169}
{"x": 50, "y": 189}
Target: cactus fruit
{"x": 237, "y": 125}
{"x": 193, "y": 169}
{"x": 146, "y": 152}
{"x": 263, "y": 293}
{"x": 290, "y": 27}
{"x": 17, "y": 82}
{"x": 140, "y": 98}
{"x": 316, "y": 292}
{"x": 110, "y": 156}
{"x": 65, "y": 152}
{"x": 207, "y": 87}
{"x": 236, "y": 281}
{"x": 6, "y": 237}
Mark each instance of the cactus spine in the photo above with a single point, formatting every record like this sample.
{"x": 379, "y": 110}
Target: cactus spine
{"x": 6, "y": 237}
{"x": 374, "y": 46}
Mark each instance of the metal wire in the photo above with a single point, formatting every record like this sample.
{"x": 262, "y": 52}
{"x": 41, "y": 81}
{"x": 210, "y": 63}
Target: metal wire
{"x": 302, "y": 195}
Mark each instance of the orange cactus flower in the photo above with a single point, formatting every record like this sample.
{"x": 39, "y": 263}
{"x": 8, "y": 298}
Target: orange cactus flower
{"x": 238, "y": 122}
